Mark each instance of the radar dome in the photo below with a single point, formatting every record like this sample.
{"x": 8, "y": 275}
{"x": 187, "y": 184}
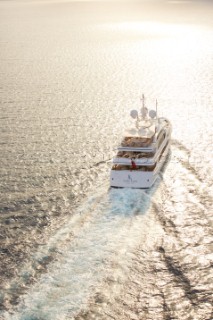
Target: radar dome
{"x": 134, "y": 114}
{"x": 152, "y": 114}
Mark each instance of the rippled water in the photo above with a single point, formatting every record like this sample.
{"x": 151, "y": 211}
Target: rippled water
{"x": 71, "y": 248}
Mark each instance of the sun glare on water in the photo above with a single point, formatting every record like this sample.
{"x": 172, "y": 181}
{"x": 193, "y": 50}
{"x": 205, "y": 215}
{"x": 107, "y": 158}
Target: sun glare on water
{"x": 178, "y": 41}
{"x": 187, "y": 34}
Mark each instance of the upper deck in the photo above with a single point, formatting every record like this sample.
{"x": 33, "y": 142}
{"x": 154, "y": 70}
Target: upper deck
{"x": 144, "y": 150}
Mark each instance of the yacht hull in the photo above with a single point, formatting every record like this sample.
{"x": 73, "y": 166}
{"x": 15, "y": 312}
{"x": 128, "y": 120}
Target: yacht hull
{"x": 131, "y": 179}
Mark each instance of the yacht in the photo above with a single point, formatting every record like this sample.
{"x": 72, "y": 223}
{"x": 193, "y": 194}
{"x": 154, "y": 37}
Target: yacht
{"x": 143, "y": 150}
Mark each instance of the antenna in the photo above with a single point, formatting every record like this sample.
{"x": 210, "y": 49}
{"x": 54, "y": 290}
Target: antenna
{"x": 144, "y": 110}
{"x": 143, "y": 101}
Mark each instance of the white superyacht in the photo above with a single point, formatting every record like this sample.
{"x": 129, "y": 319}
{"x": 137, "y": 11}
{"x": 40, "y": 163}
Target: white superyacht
{"x": 143, "y": 150}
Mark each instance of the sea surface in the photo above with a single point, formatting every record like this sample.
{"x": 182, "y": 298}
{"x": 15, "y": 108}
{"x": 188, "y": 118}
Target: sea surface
{"x": 71, "y": 247}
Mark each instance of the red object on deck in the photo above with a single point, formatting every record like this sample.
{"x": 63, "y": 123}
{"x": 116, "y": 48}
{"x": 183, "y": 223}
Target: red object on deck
{"x": 133, "y": 164}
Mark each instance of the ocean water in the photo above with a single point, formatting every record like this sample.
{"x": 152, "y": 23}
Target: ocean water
{"x": 71, "y": 247}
